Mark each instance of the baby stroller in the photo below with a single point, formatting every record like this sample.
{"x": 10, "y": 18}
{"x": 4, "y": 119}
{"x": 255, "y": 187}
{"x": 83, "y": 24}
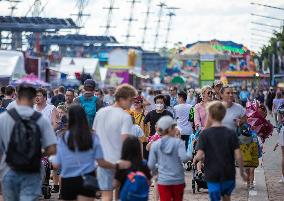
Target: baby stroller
{"x": 46, "y": 168}
{"x": 198, "y": 180}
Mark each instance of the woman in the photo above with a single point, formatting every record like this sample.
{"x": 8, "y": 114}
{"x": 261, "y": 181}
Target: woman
{"x": 131, "y": 152}
{"x": 77, "y": 151}
{"x": 200, "y": 114}
{"x": 138, "y": 113}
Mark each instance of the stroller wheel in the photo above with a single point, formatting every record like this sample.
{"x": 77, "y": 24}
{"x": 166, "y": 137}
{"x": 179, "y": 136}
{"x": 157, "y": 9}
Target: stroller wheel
{"x": 193, "y": 186}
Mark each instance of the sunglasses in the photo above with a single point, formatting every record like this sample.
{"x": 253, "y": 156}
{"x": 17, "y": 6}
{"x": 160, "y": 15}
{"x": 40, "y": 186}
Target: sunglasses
{"x": 209, "y": 93}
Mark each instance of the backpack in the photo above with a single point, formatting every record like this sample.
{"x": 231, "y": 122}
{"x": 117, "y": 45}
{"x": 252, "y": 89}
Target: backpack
{"x": 135, "y": 188}
{"x": 24, "y": 149}
{"x": 90, "y": 108}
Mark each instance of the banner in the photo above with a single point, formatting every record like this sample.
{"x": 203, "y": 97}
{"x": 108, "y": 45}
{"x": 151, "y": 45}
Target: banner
{"x": 207, "y": 70}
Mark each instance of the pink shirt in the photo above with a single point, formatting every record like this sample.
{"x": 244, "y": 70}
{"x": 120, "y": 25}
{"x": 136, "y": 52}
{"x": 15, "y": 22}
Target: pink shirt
{"x": 200, "y": 115}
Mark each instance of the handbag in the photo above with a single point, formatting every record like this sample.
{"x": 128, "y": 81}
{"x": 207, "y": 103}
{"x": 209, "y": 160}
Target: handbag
{"x": 90, "y": 182}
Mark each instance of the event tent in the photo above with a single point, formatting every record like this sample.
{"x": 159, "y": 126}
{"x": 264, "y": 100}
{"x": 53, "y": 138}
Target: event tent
{"x": 71, "y": 66}
{"x": 12, "y": 65}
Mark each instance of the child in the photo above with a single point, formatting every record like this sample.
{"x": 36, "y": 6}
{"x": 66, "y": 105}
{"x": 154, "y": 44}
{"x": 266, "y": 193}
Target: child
{"x": 167, "y": 154}
{"x": 250, "y": 150}
{"x": 219, "y": 158}
{"x": 132, "y": 153}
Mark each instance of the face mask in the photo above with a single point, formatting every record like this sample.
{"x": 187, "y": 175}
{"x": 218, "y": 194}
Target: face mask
{"x": 159, "y": 106}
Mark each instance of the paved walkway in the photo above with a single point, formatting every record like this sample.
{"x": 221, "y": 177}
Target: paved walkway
{"x": 267, "y": 187}
{"x": 272, "y": 169}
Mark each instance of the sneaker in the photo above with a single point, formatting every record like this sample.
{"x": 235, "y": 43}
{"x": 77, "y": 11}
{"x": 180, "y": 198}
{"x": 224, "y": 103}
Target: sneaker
{"x": 281, "y": 181}
{"x": 55, "y": 189}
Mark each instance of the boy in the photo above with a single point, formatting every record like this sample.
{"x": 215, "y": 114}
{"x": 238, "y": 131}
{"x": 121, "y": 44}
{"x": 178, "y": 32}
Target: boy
{"x": 167, "y": 154}
{"x": 219, "y": 148}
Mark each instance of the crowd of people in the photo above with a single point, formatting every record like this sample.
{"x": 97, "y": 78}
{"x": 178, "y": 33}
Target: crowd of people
{"x": 117, "y": 143}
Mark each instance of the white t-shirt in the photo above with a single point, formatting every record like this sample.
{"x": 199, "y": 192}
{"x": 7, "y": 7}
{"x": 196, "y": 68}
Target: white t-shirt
{"x": 11, "y": 105}
{"x": 47, "y": 111}
{"x": 182, "y": 115}
{"x": 137, "y": 131}
{"x": 235, "y": 112}
{"x": 109, "y": 124}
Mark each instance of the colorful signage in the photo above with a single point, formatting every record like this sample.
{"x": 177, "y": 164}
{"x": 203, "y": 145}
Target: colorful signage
{"x": 229, "y": 49}
{"x": 207, "y": 71}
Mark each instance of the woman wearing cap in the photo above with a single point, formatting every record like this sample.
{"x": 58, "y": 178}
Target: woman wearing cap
{"x": 137, "y": 112}
{"x": 200, "y": 114}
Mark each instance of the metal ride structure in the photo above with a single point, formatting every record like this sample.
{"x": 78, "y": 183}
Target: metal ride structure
{"x": 81, "y": 5}
{"x": 13, "y": 6}
{"x": 170, "y": 15}
{"x": 146, "y": 21}
{"x": 108, "y": 25}
{"x": 162, "y": 5}
{"x": 130, "y": 20}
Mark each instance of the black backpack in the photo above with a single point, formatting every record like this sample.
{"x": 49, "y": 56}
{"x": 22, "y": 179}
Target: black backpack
{"x": 24, "y": 149}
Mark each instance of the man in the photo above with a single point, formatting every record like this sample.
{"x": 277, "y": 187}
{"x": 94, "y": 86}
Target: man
{"x": 47, "y": 110}
{"x": 69, "y": 97}
{"x": 219, "y": 148}
{"x": 9, "y": 96}
{"x": 244, "y": 96}
{"x": 269, "y": 99}
{"x": 153, "y": 116}
{"x": 89, "y": 101}
{"x": 113, "y": 125}
{"x": 59, "y": 98}
{"x": 191, "y": 100}
{"x": 182, "y": 116}
{"x": 173, "y": 95}
{"x": 20, "y": 185}
{"x": 236, "y": 114}
{"x": 217, "y": 90}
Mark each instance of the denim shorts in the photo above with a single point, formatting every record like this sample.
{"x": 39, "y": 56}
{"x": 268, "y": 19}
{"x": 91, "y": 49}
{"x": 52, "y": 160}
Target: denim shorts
{"x": 105, "y": 179}
{"x": 218, "y": 189}
{"x": 17, "y": 186}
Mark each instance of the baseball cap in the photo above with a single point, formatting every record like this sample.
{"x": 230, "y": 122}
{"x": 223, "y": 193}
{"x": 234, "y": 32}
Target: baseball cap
{"x": 90, "y": 83}
{"x": 165, "y": 122}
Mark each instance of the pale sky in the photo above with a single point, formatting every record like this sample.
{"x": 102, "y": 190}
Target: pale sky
{"x": 195, "y": 20}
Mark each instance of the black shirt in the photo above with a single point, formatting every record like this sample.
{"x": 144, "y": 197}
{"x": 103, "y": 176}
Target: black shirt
{"x": 219, "y": 144}
{"x": 153, "y": 117}
{"x": 121, "y": 175}
{"x": 55, "y": 100}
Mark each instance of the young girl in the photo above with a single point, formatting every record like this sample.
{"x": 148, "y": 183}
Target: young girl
{"x": 131, "y": 152}
{"x": 250, "y": 150}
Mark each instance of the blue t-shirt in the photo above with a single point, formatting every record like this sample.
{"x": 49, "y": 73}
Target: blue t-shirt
{"x": 76, "y": 163}
{"x": 244, "y": 95}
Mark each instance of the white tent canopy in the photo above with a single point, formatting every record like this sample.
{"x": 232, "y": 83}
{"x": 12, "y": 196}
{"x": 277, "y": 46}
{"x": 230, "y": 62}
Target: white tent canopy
{"x": 70, "y": 66}
{"x": 12, "y": 64}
